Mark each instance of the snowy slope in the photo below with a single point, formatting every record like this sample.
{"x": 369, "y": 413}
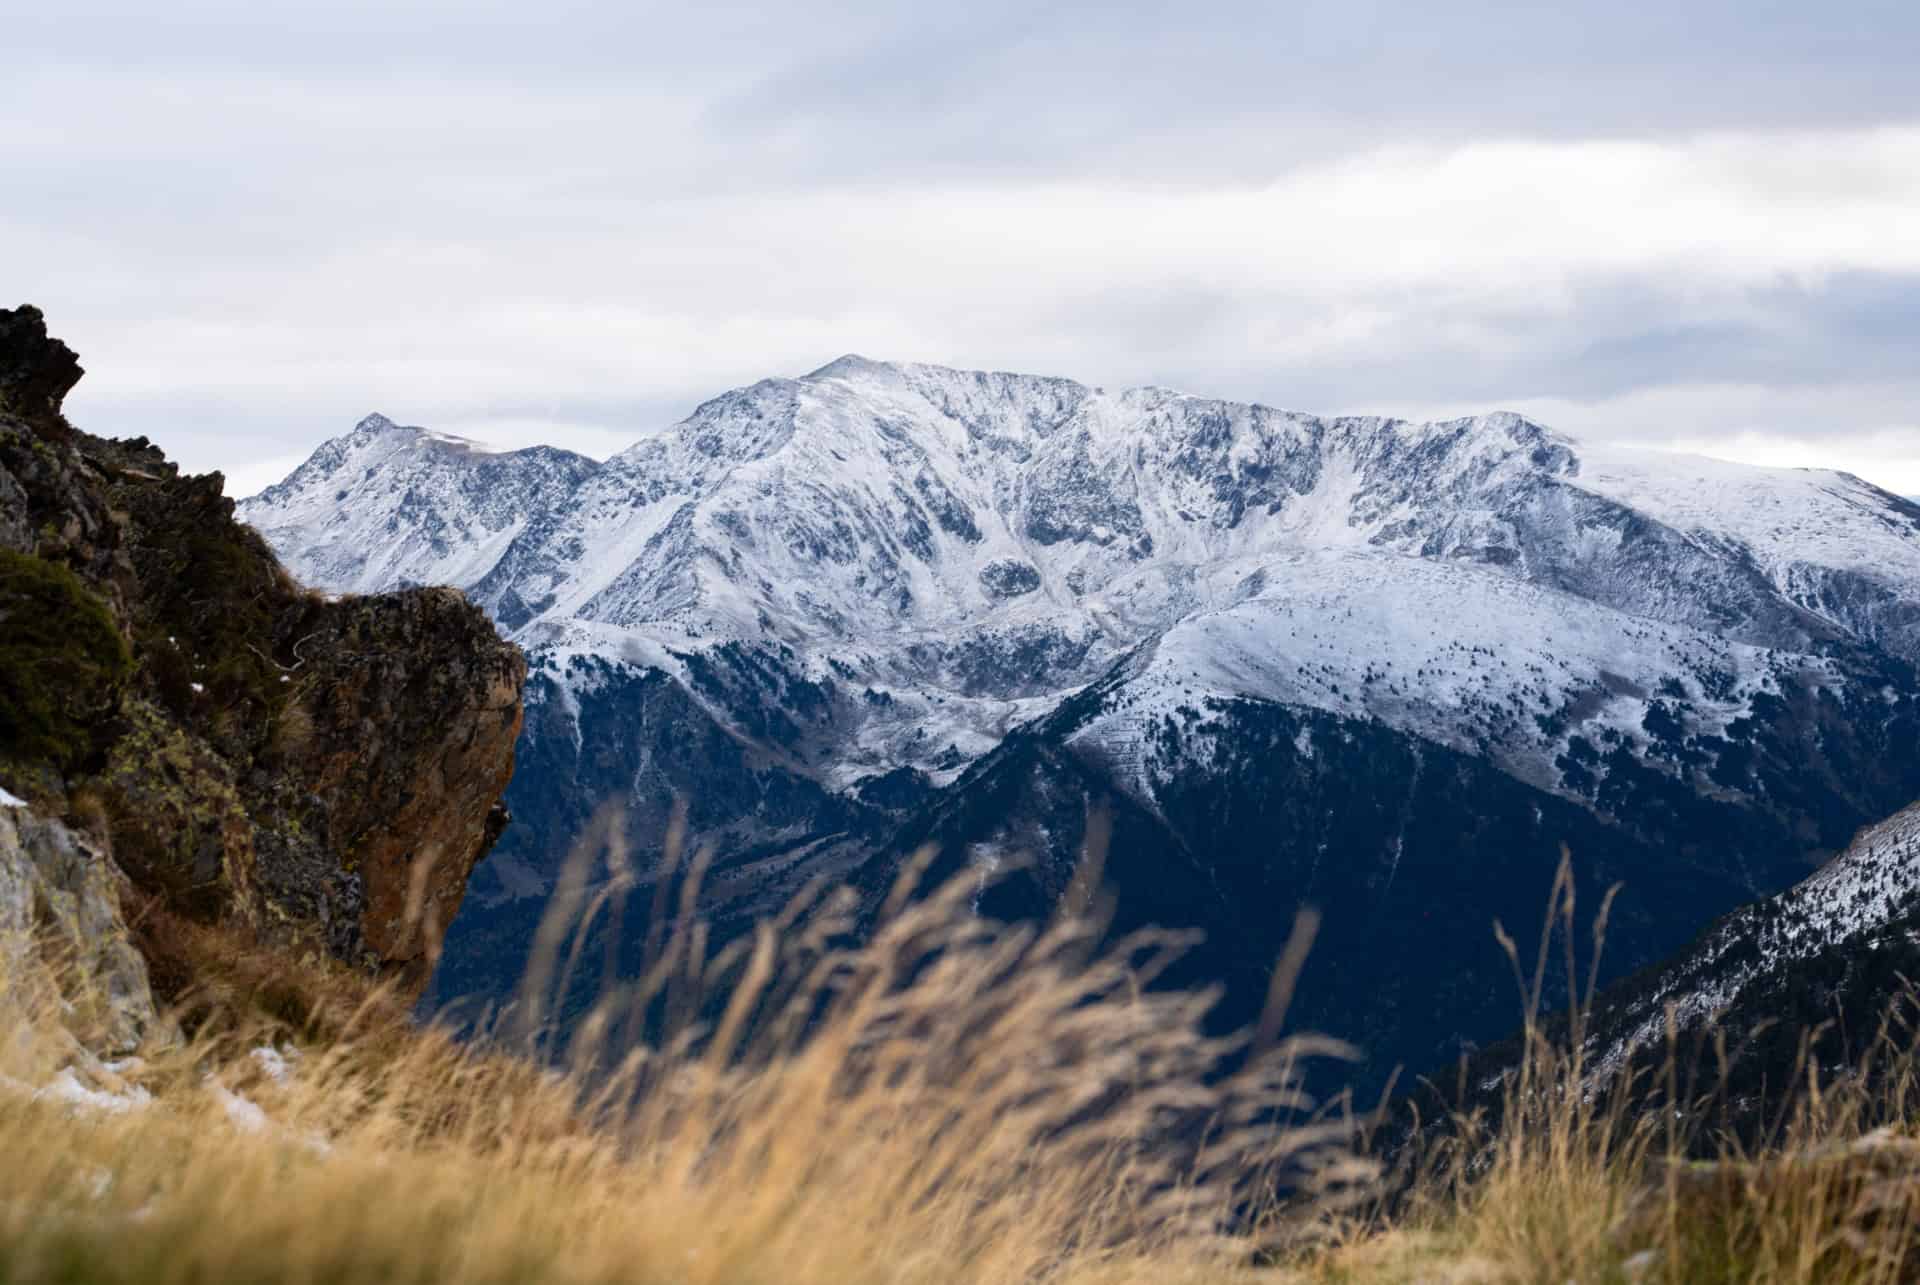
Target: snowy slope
{"x": 1451, "y": 652}
{"x": 386, "y": 506}
{"x": 1821, "y": 538}
{"x": 958, "y": 550}
{"x": 1786, "y": 517}
{"x": 1851, "y": 903}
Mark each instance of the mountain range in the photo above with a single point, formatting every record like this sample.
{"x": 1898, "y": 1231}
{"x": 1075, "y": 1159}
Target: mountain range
{"x": 1389, "y": 669}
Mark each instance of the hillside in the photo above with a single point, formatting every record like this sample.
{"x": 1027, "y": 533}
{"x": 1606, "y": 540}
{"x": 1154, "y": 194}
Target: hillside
{"x": 1811, "y": 975}
{"x": 227, "y": 808}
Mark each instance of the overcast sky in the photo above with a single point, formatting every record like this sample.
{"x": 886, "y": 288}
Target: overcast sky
{"x": 1687, "y": 223}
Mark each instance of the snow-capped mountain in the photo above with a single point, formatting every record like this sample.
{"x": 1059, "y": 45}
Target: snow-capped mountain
{"x": 839, "y": 611}
{"x": 387, "y": 506}
{"x": 968, "y": 546}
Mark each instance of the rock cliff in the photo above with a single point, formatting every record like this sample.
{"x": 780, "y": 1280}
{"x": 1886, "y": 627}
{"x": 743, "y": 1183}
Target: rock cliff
{"x": 319, "y": 774}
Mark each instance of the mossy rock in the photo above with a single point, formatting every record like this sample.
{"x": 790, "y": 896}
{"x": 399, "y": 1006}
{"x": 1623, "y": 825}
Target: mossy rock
{"x": 211, "y": 599}
{"x": 63, "y": 662}
{"x": 178, "y": 824}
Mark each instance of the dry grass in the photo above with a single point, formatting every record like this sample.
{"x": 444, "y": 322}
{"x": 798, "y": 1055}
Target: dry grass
{"x": 1578, "y": 1176}
{"x": 953, "y": 1101}
{"x": 292, "y": 730}
{"x": 229, "y": 979}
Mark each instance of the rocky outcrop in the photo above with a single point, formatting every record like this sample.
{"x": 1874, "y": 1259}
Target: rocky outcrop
{"x": 36, "y": 371}
{"x": 320, "y": 773}
{"x": 60, "y": 920}
{"x": 409, "y": 706}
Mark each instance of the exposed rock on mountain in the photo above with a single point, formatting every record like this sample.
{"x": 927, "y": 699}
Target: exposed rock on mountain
{"x": 321, "y": 774}
{"x": 1383, "y": 666}
{"x": 59, "y": 898}
{"x": 36, "y": 371}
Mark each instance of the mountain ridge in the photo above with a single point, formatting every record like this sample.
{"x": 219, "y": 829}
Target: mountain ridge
{"x": 640, "y": 544}
{"x": 823, "y": 602}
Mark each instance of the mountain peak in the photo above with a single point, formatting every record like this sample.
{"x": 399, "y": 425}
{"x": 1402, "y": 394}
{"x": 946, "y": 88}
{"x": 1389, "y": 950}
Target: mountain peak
{"x": 851, "y": 364}
{"x": 376, "y": 425}
{"x": 871, "y": 496}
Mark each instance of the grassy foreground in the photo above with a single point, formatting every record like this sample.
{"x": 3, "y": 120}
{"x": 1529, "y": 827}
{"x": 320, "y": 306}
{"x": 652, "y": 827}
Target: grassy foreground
{"x": 956, "y": 1101}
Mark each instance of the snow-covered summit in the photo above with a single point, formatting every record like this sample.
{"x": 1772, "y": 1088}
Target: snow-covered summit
{"x": 389, "y": 505}
{"x": 965, "y": 543}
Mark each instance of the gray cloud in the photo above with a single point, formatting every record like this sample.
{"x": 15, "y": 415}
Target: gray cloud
{"x": 1684, "y": 223}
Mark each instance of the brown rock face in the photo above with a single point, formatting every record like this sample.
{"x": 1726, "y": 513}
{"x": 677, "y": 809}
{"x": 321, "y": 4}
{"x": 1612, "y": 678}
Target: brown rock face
{"x": 414, "y": 706}
{"x": 325, "y": 772}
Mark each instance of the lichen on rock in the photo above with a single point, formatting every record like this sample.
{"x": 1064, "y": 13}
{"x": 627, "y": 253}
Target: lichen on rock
{"x": 176, "y": 818}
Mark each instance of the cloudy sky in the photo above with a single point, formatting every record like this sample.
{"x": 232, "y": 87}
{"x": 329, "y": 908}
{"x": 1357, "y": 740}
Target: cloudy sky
{"x": 1687, "y": 223}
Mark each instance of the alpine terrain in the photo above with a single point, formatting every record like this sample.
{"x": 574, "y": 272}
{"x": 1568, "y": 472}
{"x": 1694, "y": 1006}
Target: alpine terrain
{"x": 1388, "y": 669}
{"x": 1805, "y": 975}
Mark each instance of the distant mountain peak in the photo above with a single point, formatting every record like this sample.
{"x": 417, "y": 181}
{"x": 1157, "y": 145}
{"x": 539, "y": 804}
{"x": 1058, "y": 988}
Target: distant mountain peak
{"x": 849, "y": 364}
{"x": 870, "y": 497}
{"x": 375, "y": 425}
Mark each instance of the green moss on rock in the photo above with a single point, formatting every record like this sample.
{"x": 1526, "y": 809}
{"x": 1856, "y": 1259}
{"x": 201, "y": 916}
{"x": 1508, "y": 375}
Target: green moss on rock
{"x": 62, "y": 662}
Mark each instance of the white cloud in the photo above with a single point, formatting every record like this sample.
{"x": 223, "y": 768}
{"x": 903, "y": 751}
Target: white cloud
{"x": 249, "y": 265}
{"x": 1889, "y": 458}
{"x": 1872, "y": 431}
{"x": 251, "y": 475}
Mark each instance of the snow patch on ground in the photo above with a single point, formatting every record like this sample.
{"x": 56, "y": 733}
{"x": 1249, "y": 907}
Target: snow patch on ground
{"x": 66, "y": 1089}
{"x": 242, "y": 1113}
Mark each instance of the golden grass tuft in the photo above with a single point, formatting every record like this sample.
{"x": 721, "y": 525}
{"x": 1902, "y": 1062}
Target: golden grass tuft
{"x": 952, "y": 1101}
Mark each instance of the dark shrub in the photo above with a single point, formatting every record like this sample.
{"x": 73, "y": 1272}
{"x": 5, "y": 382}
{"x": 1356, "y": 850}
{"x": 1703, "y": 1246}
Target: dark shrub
{"x": 62, "y": 661}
